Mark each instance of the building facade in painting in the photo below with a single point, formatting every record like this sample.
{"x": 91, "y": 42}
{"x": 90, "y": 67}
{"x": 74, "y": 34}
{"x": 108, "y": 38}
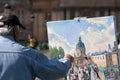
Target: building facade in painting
{"x": 105, "y": 60}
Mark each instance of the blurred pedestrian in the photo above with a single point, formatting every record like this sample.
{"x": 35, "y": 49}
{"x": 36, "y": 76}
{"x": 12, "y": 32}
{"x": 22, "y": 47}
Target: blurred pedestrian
{"x": 32, "y": 41}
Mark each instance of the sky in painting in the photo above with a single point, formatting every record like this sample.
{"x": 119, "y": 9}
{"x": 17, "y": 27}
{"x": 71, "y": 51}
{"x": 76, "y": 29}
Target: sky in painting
{"x": 96, "y": 33}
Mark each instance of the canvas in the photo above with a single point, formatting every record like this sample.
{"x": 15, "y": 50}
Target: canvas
{"x": 83, "y": 37}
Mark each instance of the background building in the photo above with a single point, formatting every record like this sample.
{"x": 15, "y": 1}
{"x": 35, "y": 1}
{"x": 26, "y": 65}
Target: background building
{"x": 35, "y": 13}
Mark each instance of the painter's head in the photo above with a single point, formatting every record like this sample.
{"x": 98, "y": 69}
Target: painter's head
{"x": 9, "y": 24}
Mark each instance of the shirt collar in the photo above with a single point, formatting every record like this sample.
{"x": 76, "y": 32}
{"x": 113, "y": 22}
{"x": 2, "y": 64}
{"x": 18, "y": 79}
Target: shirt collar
{"x": 6, "y": 37}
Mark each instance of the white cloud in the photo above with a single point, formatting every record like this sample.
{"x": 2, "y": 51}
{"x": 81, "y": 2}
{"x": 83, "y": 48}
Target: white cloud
{"x": 56, "y": 40}
{"x": 97, "y": 40}
{"x": 98, "y": 21}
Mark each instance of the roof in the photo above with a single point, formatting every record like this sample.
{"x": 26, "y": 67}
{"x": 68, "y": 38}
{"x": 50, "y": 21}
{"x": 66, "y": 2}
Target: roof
{"x": 87, "y": 3}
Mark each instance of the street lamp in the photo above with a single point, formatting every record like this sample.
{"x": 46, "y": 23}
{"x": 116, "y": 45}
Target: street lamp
{"x": 32, "y": 17}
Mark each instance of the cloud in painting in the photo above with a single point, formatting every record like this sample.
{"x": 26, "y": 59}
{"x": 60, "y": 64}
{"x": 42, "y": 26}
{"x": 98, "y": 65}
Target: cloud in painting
{"x": 55, "y": 40}
{"x": 96, "y": 33}
{"x": 97, "y": 40}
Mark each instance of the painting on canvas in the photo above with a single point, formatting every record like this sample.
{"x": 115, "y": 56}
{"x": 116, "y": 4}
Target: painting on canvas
{"x": 93, "y": 38}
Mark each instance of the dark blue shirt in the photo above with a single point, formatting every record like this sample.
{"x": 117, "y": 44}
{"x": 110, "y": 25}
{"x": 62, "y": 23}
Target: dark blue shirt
{"x": 21, "y": 63}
